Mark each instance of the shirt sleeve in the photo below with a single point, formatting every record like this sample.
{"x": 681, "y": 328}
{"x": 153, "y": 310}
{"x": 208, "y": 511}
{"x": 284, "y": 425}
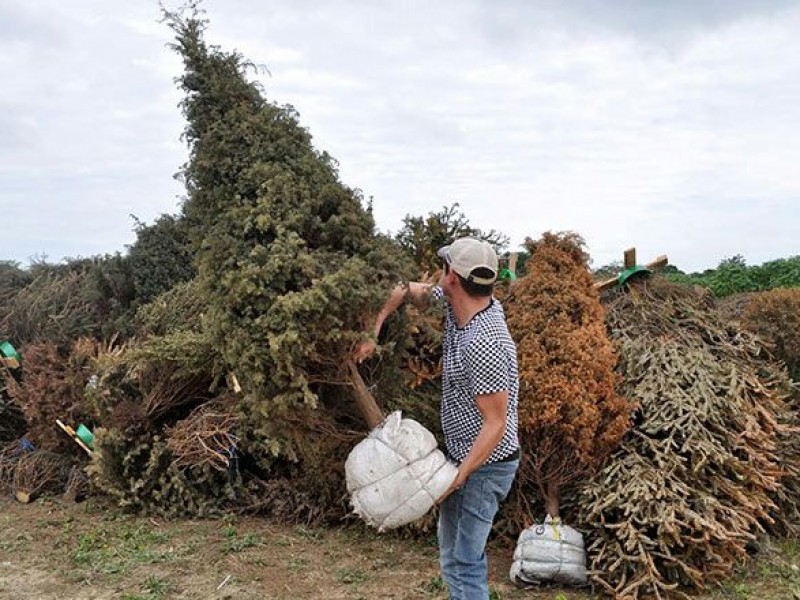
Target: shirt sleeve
{"x": 437, "y": 294}
{"x": 487, "y": 365}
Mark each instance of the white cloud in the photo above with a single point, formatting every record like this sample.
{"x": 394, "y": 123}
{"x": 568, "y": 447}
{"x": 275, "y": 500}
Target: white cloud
{"x": 671, "y": 126}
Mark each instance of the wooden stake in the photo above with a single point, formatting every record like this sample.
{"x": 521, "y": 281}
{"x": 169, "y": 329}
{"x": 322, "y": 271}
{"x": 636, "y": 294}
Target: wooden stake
{"x": 658, "y": 263}
{"x": 11, "y": 363}
{"x": 233, "y": 383}
{"x": 71, "y": 433}
{"x": 512, "y": 262}
{"x": 629, "y": 258}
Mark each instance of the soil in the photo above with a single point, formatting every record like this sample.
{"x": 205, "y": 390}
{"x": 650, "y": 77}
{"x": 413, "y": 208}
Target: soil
{"x": 89, "y": 551}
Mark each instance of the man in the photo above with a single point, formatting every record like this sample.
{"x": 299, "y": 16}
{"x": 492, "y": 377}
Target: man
{"x": 479, "y": 407}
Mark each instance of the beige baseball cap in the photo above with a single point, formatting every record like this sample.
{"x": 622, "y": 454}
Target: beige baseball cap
{"x": 467, "y": 255}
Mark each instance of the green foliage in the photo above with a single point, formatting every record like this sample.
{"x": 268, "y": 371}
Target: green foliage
{"x": 62, "y": 302}
{"x": 286, "y": 254}
{"x": 12, "y": 280}
{"x": 435, "y": 585}
{"x": 734, "y": 276}
{"x": 137, "y": 471}
{"x": 191, "y": 352}
{"x": 95, "y": 296}
{"x": 12, "y": 276}
{"x": 118, "y": 549}
{"x": 608, "y": 271}
{"x": 783, "y": 272}
{"x": 112, "y": 294}
{"x": 53, "y": 306}
{"x": 160, "y": 258}
{"x": 236, "y": 543}
{"x": 523, "y": 256}
{"x": 421, "y": 237}
{"x": 179, "y": 309}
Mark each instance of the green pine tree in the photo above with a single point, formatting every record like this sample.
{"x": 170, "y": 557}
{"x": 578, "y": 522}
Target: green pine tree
{"x": 286, "y": 253}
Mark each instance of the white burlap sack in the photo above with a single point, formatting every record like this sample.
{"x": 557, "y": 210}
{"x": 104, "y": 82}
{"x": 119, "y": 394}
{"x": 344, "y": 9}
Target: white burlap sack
{"x": 550, "y": 551}
{"x": 396, "y": 474}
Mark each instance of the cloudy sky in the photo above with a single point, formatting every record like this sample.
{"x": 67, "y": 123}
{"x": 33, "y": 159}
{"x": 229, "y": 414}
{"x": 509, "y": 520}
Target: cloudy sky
{"x": 669, "y": 126}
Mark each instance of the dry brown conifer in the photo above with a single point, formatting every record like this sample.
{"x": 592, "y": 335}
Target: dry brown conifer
{"x": 570, "y": 416}
{"x": 775, "y": 317}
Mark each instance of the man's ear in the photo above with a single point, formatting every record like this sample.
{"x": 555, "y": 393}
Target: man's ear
{"x": 454, "y": 280}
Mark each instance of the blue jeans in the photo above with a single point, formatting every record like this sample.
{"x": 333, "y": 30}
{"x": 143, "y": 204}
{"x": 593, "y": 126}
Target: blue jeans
{"x": 465, "y": 521}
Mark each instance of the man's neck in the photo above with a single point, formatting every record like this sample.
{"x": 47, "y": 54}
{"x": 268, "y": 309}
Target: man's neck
{"x": 466, "y": 307}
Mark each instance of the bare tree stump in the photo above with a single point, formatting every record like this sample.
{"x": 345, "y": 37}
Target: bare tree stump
{"x": 364, "y": 399}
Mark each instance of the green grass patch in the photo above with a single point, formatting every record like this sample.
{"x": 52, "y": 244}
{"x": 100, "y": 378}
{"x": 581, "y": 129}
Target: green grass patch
{"x": 153, "y": 588}
{"x": 110, "y": 550}
{"x": 435, "y": 585}
{"x": 351, "y": 575}
{"x": 236, "y": 543}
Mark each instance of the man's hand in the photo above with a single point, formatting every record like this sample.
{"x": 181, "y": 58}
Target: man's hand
{"x": 458, "y": 482}
{"x": 364, "y": 350}
{"x": 419, "y": 293}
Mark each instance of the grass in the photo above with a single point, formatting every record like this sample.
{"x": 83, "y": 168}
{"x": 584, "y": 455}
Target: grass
{"x": 308, "y": 534}
{"x": 778, "y": 568}
{"x": 18, "y": 543}
{"x": 58, "y": 551}
{"x": 236, "y": 543}
{"x": 298, "y": 564}
{"x": 435, "y": 585}
{"x": 154, "y": 588}
{"x": 351, "y": 575}
{"x": 110, "y": 551}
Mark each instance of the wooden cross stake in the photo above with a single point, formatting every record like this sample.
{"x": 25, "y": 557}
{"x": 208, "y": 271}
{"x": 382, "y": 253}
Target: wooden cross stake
{"x": 629, "y": 260}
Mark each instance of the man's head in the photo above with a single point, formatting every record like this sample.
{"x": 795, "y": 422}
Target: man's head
{"x": 474, "y": 261}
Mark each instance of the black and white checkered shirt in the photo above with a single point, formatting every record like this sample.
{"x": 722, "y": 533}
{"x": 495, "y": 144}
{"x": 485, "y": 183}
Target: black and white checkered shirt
{"x": 479, "y": 359}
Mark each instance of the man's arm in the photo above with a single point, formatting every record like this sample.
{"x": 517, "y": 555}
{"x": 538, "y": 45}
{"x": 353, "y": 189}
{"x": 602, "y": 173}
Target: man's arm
{"x": 418, "y": 293}
{"x": 493, "y": 408}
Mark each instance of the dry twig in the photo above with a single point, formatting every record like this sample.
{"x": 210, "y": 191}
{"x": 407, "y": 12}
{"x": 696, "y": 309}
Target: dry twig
{"x": 206, "y": 436}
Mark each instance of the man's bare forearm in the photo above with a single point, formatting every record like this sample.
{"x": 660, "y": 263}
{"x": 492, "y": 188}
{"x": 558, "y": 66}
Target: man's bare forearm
{"x": 493, "y": 410}
{"x": 418, "y": 293}
{"x": 395, "y": 300}
{"x": 488, "y": 438}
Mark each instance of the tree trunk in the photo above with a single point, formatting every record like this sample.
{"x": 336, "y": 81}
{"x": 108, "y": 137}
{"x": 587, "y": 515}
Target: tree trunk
{"x": 551, "y": 499}
{"x": 364, "y": 399}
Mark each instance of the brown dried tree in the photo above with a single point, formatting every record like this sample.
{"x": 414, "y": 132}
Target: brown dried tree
{"x": 775, "y": 317}
{"x": 51, "y": 389}
{"x": 570, "y": 416}
{"x": 710, "y": 464}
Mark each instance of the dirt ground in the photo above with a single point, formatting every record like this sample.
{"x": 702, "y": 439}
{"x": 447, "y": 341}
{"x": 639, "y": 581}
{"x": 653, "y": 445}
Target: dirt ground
{"x": 52, "y": 550}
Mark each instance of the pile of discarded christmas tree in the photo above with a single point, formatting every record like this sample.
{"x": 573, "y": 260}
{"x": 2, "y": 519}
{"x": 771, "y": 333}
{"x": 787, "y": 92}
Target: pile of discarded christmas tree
{"x": 222, "y": 381}
{"x": 661, "y": 430}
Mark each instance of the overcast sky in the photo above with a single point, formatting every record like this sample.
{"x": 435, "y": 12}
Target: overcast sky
{"x": 672, "y": 126}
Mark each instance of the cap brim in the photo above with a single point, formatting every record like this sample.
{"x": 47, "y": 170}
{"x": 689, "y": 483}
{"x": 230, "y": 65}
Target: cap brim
{"x": 442, "y": 252}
